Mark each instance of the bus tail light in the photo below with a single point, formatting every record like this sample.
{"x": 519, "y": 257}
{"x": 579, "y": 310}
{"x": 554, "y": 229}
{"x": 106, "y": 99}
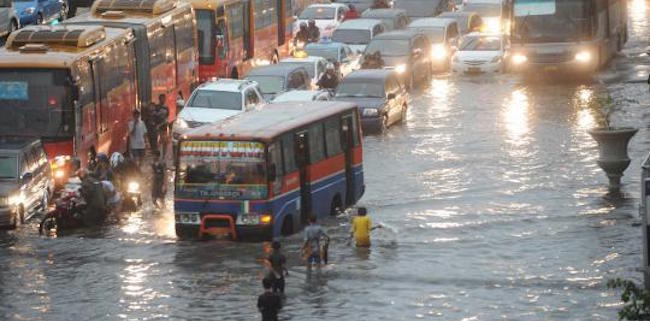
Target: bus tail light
{"x": 265, "y": 219}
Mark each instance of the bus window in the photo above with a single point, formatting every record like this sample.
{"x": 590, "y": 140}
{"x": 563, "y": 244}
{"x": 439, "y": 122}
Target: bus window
{"x": 222, "y": 39}
{"x": 275, "y": 164}
{"x": 287, "y": 154}
{"x": 206, "y": 32}
{"x": 333, "y": 136}
{"x": 316, "y": 143}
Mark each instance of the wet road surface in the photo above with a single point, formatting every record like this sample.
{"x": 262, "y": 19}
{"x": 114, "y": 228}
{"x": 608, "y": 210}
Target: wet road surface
{"x": 494, "y": 206}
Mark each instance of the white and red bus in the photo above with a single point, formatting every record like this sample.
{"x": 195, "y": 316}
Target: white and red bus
{"x": 235, "y": 35}
{"x": 261, "y": 174}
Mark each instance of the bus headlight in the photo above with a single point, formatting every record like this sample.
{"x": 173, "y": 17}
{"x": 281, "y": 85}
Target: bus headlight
{"x": 519, "y": 59}
{"x": 583, "y": 56}
{"x": 265, "y": 219}
{"x": 401, "y": 68}
{"x": 254, "y": 219}
{"x": 133, "y": 187}
{"x": 438, "y": 52}
{"x": 59, "y": 173}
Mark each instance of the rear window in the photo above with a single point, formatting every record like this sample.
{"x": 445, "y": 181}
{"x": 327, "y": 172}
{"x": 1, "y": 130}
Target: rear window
{"x": 351, "y": 36}
{"x": 318, "y": 13}
{"x": 214, "y": 99}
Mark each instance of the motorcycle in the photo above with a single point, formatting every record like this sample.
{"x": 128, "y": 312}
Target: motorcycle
{"x": 132, "y": 197}
{"x": 66, "y": 215}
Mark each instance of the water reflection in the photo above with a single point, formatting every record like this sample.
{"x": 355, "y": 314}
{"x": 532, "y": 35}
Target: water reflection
{"x": 515, "y": 116}
{"x": 584, "y": 104}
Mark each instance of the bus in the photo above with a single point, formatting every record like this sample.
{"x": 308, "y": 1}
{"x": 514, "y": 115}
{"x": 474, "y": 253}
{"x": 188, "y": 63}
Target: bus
{"x": 261, "y": 174}
{"x": 165, "y": 45}
{"x": 72, "y": 86}
{"x": 566, "y": 35}
{"x": 235, "y": 35}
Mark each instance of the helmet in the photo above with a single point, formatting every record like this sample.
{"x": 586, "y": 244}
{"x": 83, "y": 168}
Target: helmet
{"x": 330, "y": 66}
{"x": 102, "y": 157}
{"x": 116, "y": 159}
{"x": 303, "y": 25}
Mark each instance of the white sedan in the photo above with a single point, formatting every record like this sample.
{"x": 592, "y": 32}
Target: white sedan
{"x": 328, "y": 16}
{"x": 480, "y": 53}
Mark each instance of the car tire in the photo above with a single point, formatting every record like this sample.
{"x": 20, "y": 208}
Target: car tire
{"x": 39, "y": 19}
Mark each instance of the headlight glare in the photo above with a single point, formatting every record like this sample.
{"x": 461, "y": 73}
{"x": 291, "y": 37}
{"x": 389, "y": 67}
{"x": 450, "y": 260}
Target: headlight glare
{"x": 583, "y": 56}
{"x": 519, "y": 59}
{"x": 133, "y": 187}
{"x": 438, "y": 52}
{"x": 401, "y": 68}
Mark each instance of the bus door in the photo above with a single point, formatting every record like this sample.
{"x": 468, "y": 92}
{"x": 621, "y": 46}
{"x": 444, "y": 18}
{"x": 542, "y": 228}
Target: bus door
{"x": 100, "y": 109}
{"x": 279, "y": 9}
{"x": 301, "y": 142}
{"x": 347, "y": 142}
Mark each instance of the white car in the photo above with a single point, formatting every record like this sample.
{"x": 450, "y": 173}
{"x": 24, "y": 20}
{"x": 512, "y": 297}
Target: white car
{"x": 303, "y": 95}
{"x": 480, "y": 53}
{"x": 327, "y": 17}
{"x": 315, "y": 66}
{"x": 357, "y": 33}
{"x": 217, "y": 100}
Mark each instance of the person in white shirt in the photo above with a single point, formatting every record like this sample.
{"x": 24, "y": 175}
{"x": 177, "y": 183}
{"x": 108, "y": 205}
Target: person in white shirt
{"x": 137, "y": 132}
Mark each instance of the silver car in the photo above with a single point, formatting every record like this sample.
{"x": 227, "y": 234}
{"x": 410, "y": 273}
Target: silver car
{"x": 9, "y": 22}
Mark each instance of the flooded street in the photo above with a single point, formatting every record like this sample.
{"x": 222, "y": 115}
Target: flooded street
{"x": 493, "y": 204}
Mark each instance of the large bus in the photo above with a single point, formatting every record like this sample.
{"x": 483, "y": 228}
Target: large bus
{"x": 165, "y": 45}
{"x": 566, "y": 35}
{"x": 262, "y": 174}
{"x": 235, "y": 35}
{"x": 74, "y": 87}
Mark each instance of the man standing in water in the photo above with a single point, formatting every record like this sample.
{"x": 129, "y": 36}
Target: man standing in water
{"x": 361, "y": 228}
{"x": 311, "y": 247}
{"x": 269, "y": 303}
{"x": 277, "y": 260}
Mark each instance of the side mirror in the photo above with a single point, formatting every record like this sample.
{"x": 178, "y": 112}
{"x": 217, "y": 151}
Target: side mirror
{"x": 27, "y": 177}
{"x": 180, "y": 103}
{"x": 390, "y": 96}
{"x": 273, "y": 172}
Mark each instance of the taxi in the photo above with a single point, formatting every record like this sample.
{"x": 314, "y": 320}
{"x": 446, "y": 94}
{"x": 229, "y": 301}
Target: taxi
{"x": 339, "y": 54}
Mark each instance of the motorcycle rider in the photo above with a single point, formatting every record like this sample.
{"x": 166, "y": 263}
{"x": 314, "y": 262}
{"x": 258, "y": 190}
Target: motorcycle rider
{"x": 329, "y": 80}
{"x": 313, "y": 31}
{"x": 302, "y": 36}
{"x": 158, "y": 188}
{"x": 112, "y": 197}
{"x": 103, "y": 170}
{"x": 93, "y": 194}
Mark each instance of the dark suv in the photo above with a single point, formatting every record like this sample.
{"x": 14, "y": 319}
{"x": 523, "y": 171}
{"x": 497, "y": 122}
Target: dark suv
{"x": 25, "y": 180}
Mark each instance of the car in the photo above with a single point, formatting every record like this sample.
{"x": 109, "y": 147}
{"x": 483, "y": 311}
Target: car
{"x": 360, "y": 5}
{"x": 406, "y": 51}
{"x": 337, "y": 53}
{"x": 357, "y": 33}
{"x": 278, "y": 78}
{"x": 443, "y": 36}
{"x": 393, "y": 18}
{"x": 422, "y": 8}
{"x": 481, "y": 53}
{"x": 303, "y": 95}
{"x": 26, "y": 182}
{"x": 214, "y": 101}
{"x": 327, "y": 16}
{"x": 379, "y": 95}
{"x": 467, "y": 21}
{"x": 9, "y": 21}
{"x": 315, "y": 65}
{"x": 491, "y": 13}
{"x": 40, "y": 11}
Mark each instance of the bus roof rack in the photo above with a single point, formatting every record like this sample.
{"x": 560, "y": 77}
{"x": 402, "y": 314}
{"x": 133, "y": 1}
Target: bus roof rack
{"x": 80, "y": 37}
{"x": 153, "y": 7}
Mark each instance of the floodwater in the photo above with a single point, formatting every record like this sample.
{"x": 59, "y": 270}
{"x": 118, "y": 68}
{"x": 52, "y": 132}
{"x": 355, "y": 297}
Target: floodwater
{"x": 493, "y": 204}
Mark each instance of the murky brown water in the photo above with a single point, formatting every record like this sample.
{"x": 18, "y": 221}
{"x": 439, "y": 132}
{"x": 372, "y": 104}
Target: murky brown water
{"x": 494, "y": 205}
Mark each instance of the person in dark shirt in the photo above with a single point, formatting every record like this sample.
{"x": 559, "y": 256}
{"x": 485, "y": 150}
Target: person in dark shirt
{"x": 313, "y": 31}
{"x": 329, "y": 80}
{"x": 277, "y": 260}
{"x": 269, "y": 303}
{"x": 158, "y": 188}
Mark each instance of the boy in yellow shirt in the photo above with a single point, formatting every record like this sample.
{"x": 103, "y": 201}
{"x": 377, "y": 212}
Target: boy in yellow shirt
{"x": 361, "y": 228}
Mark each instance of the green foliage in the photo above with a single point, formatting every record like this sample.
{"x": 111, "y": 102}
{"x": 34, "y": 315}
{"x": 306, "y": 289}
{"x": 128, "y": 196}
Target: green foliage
{"x": 636, "y": 300}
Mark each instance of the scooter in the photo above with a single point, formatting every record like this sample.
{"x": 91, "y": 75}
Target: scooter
{"x": 66, "y": 215}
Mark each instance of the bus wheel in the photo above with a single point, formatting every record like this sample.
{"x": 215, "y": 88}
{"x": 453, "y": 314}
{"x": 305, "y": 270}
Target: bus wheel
{"x": 335, "y": 208}
{"x": 275, "y": 58}
{"x": 287, "y": 226}
{"x": 234, "y": 74}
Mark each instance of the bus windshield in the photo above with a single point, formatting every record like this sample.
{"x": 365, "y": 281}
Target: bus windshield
{"x": 206, "y": 31}
{"x": 318, "y": 13}
{"x": 8, "y": 167}
{"x": 541, "y": 21}
{"x": 36, "y": 102}
{"x": 351, "y": 36}
{"x": 222, "y": 170}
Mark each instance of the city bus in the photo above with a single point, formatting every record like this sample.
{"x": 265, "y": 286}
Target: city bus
{"x": 73, "y": 86}
{"x": 566, "y": 35}
{"x": 235, "y": 35}
{"x": 261, "y": 174}
{"x": 165, "y": 45}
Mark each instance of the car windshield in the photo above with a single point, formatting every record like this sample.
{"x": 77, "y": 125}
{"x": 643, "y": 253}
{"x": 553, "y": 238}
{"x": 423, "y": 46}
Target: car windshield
{"x": 216, "y": 99}
{"x": 36, "y": 102}
{"x": 331, "y": 54}
{"x": 309, "y": 65}
{"x": 480, "y": 44}
{"x": 389, "y": 47}
{"x": 540, "y": 21}
{"x": 8, "y": 167}
{"x": 435, "y": 34}
{"x": 360, "y": 89}
{"x": 206, "y": 32}
{"x": 222, "y": 170}
{"x": 269, "y": 84}
{"x": 484, "y": 9}
{"x": 318, "y": 13}
{"x": 351, "y": 36}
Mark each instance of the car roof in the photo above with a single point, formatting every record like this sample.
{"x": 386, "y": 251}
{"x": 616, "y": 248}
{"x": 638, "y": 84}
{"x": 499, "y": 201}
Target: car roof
{"x": 369, "y": 74}
{"x": 274, "y": 70}
{"x": 233, "y": 85}
{"x": 431, "y": 22}
{"x": 360, "y": 24}
{"x": 305, "y": 59}
{"x": 457, "y": 14}
{"x": 325, "y": 45}
{"x": 271, "y": 121}
{"x": 382, "y": 13}
{"x": 299, "y": 94}
{"x": 333, "y": 5}
{"x": 398, "y": 34}
{"x": 16, "y": 143}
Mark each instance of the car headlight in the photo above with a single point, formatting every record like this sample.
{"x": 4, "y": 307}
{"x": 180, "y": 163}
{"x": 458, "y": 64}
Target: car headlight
{"x": 401, "y": 68}
{"x": 59, "y": 173}
{"x": 438, "y": 51}
{"x": 29, "y": 10}
{"x": 133, "y": 187}
{"x": 370, "y": 112}
{"x": 583, "y": 56}
{"x": 181, "y": 123}
{"x": 519, "y": 59}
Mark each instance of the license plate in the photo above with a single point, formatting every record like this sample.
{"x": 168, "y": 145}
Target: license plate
{"x": 473, "y": 70}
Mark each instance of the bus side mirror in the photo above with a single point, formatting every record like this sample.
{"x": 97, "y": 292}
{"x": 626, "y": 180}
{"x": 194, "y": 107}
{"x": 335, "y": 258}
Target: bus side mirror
{"x": 273, "y": 172}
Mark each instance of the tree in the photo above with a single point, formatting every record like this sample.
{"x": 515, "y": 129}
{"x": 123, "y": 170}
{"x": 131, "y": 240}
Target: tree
{"x": 636, "y": 300}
